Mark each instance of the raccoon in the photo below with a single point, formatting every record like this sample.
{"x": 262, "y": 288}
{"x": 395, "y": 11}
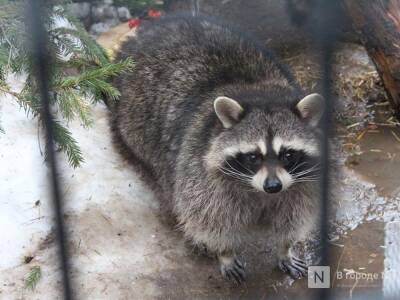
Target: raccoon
{"x": 224, "y": 136}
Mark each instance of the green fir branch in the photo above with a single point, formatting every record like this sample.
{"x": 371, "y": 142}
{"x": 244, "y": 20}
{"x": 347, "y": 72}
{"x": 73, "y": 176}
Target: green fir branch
{"x": 80, "y": 69}
{"x": 72, "y": 104}
{"x": 89, "y": 77}
{"x": 89, "y": 47}
{"x": 29, "y": 98}
{"x": 67, "y": 144}
{"x": 33, "y": 278}
{"x": 26, "y": 101}
{"x": 101, "y": 88}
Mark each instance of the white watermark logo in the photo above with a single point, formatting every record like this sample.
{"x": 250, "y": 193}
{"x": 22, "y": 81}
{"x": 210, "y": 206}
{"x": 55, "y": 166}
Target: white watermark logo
{"x": 319, "y": 277}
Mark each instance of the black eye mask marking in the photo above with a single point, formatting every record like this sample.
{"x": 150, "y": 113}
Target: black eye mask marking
{"x": 290, "y": 158}
{"x": 298, "y": 163}
{"x": 245, "y": 163}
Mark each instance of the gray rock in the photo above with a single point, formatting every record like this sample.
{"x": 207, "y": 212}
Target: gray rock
{"x": 104, "y": 12}
{"x": 108, "y": 2}
{"x": 100, "y": 27}
{"x": 123, "y": 14}
{"x": 79, "y": 10}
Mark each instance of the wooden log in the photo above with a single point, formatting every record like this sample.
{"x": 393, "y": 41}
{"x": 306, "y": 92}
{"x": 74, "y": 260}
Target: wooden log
{"x": 377, "y": 23}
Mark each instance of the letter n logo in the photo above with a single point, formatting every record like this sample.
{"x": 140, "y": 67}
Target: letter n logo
{"x": 319, "y": 277}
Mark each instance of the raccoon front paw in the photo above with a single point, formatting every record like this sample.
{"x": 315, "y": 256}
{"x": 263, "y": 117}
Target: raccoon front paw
{"x": 294, "y": 266}
{"x": 232, "y": 269}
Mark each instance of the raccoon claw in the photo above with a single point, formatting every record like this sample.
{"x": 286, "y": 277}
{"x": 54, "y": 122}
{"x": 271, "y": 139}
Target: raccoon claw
{"x": 295, "y": 267}
{"x": 234, "y": 271}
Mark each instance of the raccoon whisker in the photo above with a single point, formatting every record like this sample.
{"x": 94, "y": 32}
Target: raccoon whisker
{"x": 309, "y": 170}
{"x": 305, "y": 179}
{"x": 240, "y": 179}
{"x": 251, "y": 172}
{"x": 306, "y": 176}
{"x": 310, "y": 176}
{"x": 296, "y": 167}
{"x": 235, "y": 175}
{"x": 239, "y": 175}
{"x": 312, "y": 167}
{"x": 232, "y": 170}
{"x": 231, "y": 175}
{"x": 241, "y": 165}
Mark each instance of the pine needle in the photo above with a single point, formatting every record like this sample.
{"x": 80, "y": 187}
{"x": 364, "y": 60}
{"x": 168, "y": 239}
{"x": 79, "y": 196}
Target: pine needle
{"x": 104, "y": 72}
{"x": 72, "y": 104}
{"x": 33, "y": 278}
{"x": 89, "y": 47}
{"x": 67, "y": 144}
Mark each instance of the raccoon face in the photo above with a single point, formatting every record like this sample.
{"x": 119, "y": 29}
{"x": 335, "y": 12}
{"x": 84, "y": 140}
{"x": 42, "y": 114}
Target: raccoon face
{"x": 267, "y": 149}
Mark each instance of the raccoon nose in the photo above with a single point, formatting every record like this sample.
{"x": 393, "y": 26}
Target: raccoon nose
{"x": 272, "y": 185}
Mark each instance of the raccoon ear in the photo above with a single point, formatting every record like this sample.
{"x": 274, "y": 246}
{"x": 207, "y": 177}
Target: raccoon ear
{"x": 228, "y": 111}
{"x": 311, "y": 108}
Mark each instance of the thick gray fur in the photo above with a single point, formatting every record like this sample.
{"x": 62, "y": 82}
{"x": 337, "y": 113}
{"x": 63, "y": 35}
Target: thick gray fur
{"x": 165, "y": 122}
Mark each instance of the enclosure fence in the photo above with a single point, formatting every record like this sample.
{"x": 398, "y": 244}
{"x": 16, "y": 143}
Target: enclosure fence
{"x": 325, "y": 37}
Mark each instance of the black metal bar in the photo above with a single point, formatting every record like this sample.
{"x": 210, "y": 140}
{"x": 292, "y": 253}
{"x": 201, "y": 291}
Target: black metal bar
{"x": 326, "y": 37}
{"x": 41, "y": 60}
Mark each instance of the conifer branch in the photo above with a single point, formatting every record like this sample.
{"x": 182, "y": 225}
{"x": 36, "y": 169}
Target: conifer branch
{"x": 5, "y": 90}
{"x": 80, "y": 69}
{"x": 67, "y": 144}
{"x": 33, "y": 277}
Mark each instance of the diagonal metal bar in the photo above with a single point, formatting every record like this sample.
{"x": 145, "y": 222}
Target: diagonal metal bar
{"x": 41, "y": 60}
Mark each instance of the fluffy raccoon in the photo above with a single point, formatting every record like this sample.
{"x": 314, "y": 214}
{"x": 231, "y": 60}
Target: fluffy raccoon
{"x": 222, "y": 133}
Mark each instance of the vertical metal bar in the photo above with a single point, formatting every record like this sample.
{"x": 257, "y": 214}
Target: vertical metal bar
{"x": 326, "y": 35}
{"x": 41, "y": 59}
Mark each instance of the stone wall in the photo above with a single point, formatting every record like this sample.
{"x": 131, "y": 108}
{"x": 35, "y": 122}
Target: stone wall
{"x": 99, "y": 16}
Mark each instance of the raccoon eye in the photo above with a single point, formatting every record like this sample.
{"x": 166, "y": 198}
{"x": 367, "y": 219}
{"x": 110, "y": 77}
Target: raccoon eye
{"x": 289, "y": 155}
{"x": 252, "y": 158}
